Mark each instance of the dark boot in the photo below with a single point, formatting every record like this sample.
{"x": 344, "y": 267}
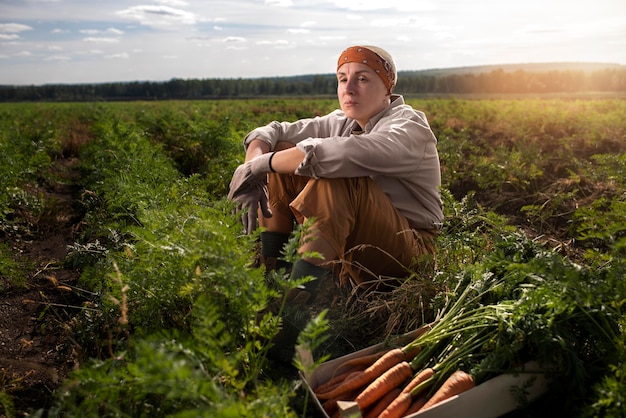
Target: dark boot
{"x": 296, "y": 312}
{"x": 272, "y": 245}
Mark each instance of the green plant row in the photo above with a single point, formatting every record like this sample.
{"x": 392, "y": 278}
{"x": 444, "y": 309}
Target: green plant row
{"x": 175, "y": 332}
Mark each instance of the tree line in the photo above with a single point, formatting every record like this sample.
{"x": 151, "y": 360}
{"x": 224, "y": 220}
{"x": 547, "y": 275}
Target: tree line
{"x": 429, "y": 82}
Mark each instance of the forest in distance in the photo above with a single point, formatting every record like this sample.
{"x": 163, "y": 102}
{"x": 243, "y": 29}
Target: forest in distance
{"x": 522, "y": 79}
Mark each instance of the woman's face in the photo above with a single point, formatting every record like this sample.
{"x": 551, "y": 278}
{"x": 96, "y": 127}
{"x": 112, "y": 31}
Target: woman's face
{"x": 361, "y": 92}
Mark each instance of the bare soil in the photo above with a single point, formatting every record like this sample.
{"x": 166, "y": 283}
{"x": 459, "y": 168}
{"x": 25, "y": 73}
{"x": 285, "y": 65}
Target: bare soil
{"x": 36, "y": 352}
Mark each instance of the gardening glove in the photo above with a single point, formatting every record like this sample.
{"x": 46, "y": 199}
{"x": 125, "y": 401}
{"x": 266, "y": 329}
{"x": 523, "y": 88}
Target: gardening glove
{"x": 248, "y": 189}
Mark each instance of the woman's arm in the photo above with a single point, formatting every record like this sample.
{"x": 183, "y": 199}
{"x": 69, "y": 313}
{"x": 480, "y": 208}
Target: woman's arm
{"x": 285, "y": 160}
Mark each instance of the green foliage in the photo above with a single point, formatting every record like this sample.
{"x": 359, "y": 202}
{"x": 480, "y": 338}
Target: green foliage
{"x": 600, "y": 224}
{"x": 169, "y": 267}
{"x": 602, "y": 227}
{"x": 164, "y": 378}
{"x": 12, "y": 269}
{"x": 468, "y": 232}
{"x": 535, "y": 160}
{"x": 563, "y": 315}
{"x": 176, "y": 324}
{"x": 8, "y": 409}
{"x": 196, "y": 143}
{"x": 25, "y": 148}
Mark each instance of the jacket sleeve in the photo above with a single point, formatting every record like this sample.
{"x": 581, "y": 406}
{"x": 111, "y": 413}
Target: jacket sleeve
{"x": 294, "y": 132}
{"x": 395, "y": 146}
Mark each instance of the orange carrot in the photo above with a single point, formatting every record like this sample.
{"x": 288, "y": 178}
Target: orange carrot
{"x": 398, "y": 407}
{"x": 363, "y": 361}
{"x": 382, "y": 403}
{"x": 419, "y": 378}
{"x": 408, "y": 396}
{"x": 388, "y": 381}
{"x": 330, "y": 406}
{"x": 458, "y": 382}
{"x": 417, "y": 405}
{"x": 335, "y": 381}
{"x": 387, "y": 361}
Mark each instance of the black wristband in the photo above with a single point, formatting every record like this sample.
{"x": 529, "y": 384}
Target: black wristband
{"x": 270, "y": 163}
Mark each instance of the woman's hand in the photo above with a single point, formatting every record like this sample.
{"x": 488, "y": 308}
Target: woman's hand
{"x": 248, "y": 190}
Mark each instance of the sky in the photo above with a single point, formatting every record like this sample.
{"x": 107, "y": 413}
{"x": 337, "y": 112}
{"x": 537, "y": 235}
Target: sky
{"x": 95, "y": 41}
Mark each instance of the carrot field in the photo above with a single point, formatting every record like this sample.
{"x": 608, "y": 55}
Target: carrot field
{"x": 127, "y": 290}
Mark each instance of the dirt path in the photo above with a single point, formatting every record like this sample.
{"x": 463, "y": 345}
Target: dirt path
{"x": 35, "y": 351}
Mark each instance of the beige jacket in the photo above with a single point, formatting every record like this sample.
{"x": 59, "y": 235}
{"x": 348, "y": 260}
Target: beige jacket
{"x": 397, "y": 149}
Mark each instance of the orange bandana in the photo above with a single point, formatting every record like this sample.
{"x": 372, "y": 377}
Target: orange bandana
{"x": 371, "y": 59}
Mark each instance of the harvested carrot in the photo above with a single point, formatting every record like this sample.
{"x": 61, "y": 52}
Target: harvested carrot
{"x": 382, "y": 403}
{"x": 331, "y": 407}
{"x": 419, "y": 378}
{"x": 458, "y": 382}
{"x": 416, "y": 406}
{"x": 387, "y": 361}
{"x": 398, "y": 407}
{"x": 407, "y": 399}
{"x": 382, "y": 385}
{"x": 335, "y": 381}
{"x": 363, "y": 361}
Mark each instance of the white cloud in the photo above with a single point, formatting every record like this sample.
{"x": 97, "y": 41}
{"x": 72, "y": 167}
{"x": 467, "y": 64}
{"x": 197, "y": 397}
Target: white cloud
{"x": 110, "y": 31}
{"x": 279, "y": 3}
{"x": 364, "y": 5}
{"x": 300, "y": 31}
{"x": 159, "y": 16}
{"x": 175, "y": 3}
{"x": 332, "y": 37}
{"x": 14, "y": 27}
{"x": 252, "y": 38}
{"x": 410, "y": 21}
{"x": 234, "y": 40}
{"x": 57, "y": 58}
{"x": 400, "y": 5}
{"x": 122, "y": 55}
{"x": 280, "y": 43}
{"x": 101, "y": 40}
{"x": 442, "y": 36}
{"x": 538, "y": 29}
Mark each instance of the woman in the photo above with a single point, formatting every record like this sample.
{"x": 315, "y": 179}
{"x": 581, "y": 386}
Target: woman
{"x": 367, "y": 175}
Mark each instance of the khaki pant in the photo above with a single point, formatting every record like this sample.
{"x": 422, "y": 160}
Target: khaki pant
{"x": 376, "y": 244}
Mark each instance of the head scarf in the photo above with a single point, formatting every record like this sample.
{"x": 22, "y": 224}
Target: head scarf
{"x": 376, "y": 58}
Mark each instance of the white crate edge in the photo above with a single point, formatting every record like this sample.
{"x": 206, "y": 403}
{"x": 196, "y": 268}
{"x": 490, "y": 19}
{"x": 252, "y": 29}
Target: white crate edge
{"x": 491, "y": 399}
